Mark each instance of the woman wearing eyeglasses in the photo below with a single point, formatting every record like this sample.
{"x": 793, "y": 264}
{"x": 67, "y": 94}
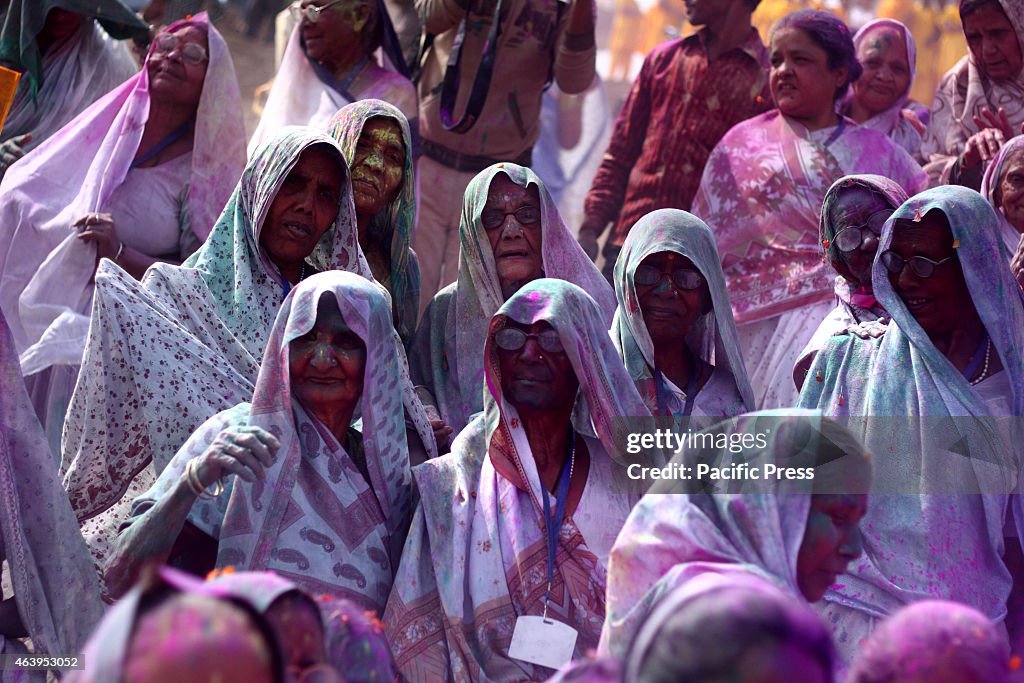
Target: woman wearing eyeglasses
{"x": 852, "y": 215}
{"x": 951, "y": 355}
{"x": 762, "y": 189}
{"x": 139, "y": 178}
{"x": 518, "y": 521}
{"x": 673, "y": 326}
{"x": 330, "y": 62}
{"x": 511, "y": 234}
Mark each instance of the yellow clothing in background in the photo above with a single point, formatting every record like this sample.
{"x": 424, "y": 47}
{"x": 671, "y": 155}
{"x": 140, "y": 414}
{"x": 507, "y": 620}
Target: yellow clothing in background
{"x": 626, "y": 38}
{"x": 770, "y": 11}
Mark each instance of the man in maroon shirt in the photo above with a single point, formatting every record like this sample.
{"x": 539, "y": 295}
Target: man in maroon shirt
{"x": 689, "y": 93}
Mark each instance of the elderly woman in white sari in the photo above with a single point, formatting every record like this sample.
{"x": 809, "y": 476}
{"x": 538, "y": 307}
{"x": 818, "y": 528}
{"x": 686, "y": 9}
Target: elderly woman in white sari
{"x": 374, "y": 136}
{"x": 797, "y": 532}
{"x": 330, "y": 62}
{"x": 485, "y": 556}
{"x": 950, "y": 360}
{"x": 290, "y": 482}
{"x": 168, "y": 353}
{"x": 674, "y": 327}
{"x": 878, "y": 99}
{"x": 56, "y": 598}
{"x": 511, "y": 234}
{"x": 69, "y": 56}
{"x": 138, "y": 178}
{"x": 980, "y": 101}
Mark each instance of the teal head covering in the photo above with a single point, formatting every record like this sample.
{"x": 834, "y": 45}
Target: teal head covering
{"x": 25, "y": 20}
{"x": 246, "y": 286}
{"x": 393, "y": 226}
{"x": 713, "y": 336}
{"x": 944, "y": 536}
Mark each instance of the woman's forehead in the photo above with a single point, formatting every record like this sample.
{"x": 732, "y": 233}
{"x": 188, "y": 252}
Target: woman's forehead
{"x": 191, "y": 34}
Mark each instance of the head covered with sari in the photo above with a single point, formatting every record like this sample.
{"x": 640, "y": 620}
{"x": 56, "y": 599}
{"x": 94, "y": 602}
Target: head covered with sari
{"x": 189, "y": 622}
{"x": 703, "y": 631}
{"x": 991, "y": 190}
{"x": 461, "y": 313}
{"x": 75, "y": 172}
{"x": 712, "y": 338}
{"x": 891, "y": 121}
{"x": 393, "y": 227}
{"x": 24, "y": 21}
{"x": 965, "y": 91}
{"x": 966, "y": 463}
{"x": 475, "y": 556}
{"x": 349, "y": 541}
{"x": 53, "y": 577}
{"x": 189, "y": 336}
{"x": 682, "y": 530}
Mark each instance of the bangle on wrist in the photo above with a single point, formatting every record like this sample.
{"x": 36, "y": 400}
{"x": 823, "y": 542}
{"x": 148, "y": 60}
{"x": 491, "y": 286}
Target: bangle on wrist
{"x": 195, "y": 484}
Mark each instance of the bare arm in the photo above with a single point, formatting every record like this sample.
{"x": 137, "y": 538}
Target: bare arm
{"x": 244, "y": 451}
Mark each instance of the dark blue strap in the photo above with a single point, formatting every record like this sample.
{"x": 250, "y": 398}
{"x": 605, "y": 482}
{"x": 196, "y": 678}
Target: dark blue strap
{"x": 554, "y": 526}
{"x": 328, "y": 79}
{"x": 481, "y": 82}
{"x": 389, "y": 41}
{"x": 837, "y": 132}
{"x": 168, "y": 140}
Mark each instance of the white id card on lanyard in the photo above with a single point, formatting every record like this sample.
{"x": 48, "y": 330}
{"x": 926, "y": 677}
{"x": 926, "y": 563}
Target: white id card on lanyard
{"x": 543, "y": 641}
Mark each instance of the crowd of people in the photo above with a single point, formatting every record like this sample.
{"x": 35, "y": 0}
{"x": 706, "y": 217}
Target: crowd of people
{"x": 353, "y": 398}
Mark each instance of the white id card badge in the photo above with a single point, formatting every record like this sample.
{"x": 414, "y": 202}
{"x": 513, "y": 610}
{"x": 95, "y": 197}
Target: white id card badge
{"x": 546, "y": 642}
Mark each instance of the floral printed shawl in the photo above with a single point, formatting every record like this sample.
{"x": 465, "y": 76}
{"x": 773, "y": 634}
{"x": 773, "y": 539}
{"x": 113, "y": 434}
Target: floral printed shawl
{"x": 932, "y": 541}
{"x": 446, "y": 353}
{"x": 761, "y": 195}
{"x": 166, "y": 354}
{"x": 476, "y": 555}
{"x": 396, "y": 225}
{"x": 713, "y": 337}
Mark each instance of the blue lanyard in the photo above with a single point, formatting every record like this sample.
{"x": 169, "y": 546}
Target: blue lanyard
{"x": 166, "y": 142}
{"x": 837, "y": 132}
{"x": 691, "y": 392}
{"x": 553, "y": 526}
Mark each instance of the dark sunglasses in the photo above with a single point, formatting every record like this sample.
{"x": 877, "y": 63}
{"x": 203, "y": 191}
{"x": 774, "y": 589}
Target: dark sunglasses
{"x": 850, "y": 238}
{"x": 922, "y": 266}
{"x": 684, "y": 278}
{"x": 193, "y": 54}
{"x": 526, "y": 215}
{"x": 513, "y": 339}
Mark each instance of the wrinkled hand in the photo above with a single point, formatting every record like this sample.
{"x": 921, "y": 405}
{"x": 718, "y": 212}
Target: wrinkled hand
{"x": 12, "y": 150}
{"x": 246, "y": 451}
{"x": 1017, "y": 264}
{"x": 997, "y": 120}
{"x": 871, "y": 329}
{"x": 983, "y": 147}
{"x": 99, "y": 228}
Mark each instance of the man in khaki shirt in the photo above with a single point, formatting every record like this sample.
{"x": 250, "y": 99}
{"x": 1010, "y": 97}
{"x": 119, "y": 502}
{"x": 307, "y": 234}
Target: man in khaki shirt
{"x": 537, "y": 40}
